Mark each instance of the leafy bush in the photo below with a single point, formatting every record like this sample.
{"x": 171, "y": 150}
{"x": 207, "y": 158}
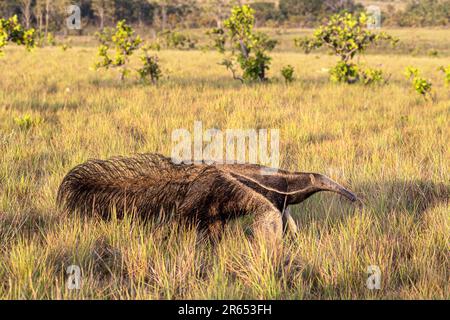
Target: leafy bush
{"x": 51, "y": 41}
{"x": 248, "y": 48}
{"x": 150, "y": 69}
{"x": 156, "y": 44}
{"x": 346, "y": 36}
{"x": 123, "y": 41}
{"x": 420, "y": 85}
{"x": 421, "y": 13}
{"x": 178, "y": 40}
{"x": 446, "y": 71}
{"x": 371, "y": 76}
{"x": 344, "y": 72}
{"x": 288, "y": 73}
{"x": 12, "y": 31}
{"x": 65, "y": 46}
{"x": 433, "y": 53}
{"x": 351, "y": 73}
{"x": 26, "y": 122}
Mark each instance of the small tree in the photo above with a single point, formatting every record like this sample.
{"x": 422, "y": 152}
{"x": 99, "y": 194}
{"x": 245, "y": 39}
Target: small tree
{"x": 12, "y": 31}
{"x": 346, "y": 36}
{"x": 150, "y": 69}
{"x": 420, "y": 85}
{"x": 248, "y": 48}
{"x": 178, "y": 40}
{"x": 446, "y": 71}
{"x": 123, "y": 41}
{"x": 288, "y": 73}
{"x": 372, "y": 76}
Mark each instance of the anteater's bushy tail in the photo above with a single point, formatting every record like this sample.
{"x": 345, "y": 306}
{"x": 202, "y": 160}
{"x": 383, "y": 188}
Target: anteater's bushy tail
{"x": 98, "y": 185}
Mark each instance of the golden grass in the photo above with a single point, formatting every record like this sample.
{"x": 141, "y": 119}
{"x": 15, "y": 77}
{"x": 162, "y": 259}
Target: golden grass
{"x": 384, "y": 142}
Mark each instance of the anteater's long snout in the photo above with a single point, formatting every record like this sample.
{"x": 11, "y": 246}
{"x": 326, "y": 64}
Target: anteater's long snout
{"x": 348, "y": 194}
{"x": 327, "y": 184}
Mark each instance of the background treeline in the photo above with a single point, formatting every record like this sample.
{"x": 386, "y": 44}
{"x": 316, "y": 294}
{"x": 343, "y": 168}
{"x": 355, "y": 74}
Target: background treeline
{"x": 49, "y": 15}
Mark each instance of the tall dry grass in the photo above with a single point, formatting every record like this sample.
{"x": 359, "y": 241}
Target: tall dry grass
{"x": 385, "y": 143}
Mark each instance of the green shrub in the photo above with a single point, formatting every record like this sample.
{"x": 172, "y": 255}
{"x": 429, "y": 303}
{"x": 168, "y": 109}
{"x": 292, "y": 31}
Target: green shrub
{"x": 150, "y": 69}
{"x": 344, "y": 72}
{"x": 433, "y": 53}
{"x": 26, "y": 122}
{"x": 420, "y": 85}
{"x": 65, "y": 46}
{"x": 12, "y": 31}
{"x": 346, "y": 36}
{"x": 123, "y": 41}
{"x": 51, "y": 41}
{"x": 446, "y": 71}
{"x": 178, "y": 40}
{"x": 248, "y": 48}
{"x": 371, "y": 76}
{"x": 288, "y": 73}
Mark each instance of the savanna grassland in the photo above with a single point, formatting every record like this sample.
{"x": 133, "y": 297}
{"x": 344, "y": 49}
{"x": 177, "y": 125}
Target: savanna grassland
{"x": 384, "y": 142}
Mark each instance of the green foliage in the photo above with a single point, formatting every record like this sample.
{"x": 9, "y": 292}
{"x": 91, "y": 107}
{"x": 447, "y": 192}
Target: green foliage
{"x": 371, "y": 76}
{"x": 344, "y": 72}
{"x": 12, "y": 31}
{"x": 420, "y": 85}
{"x": 309, "y": 12}
{"x": 288, "y": 73}
{"x": 150, "y": 69}
{"x": 446, "y": 71}
{"x": 178, "y": 40}
{"x": 411, "y": 72}
{"x": 39, "y": 39}
{"x": 195, "y": 14}
{"x": 219, "y": 38}
{"x": 248, "y": 48}
{"x": 154, "y": 45}
{"x": 422, "y": 13}
{"x": 352, "y": 73}
{"x": 65, "y": 46}
{"x": 51, "y": 41}
{"x": 265, "y": 11}
{"x": 433, "y": 53}
{"x": 123, "y": 41}
{"x": 26, "y": 122}
{"x": 346, "y": 36}
{"x": 43, "y": 40}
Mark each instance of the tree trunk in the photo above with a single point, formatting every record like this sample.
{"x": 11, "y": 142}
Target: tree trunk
{"x": 47, "y": 16}
{"x": 102, "y": 19}
{"x": 139, "y": 18}
{"x": 26, "y": 11}
{"x": 262, "y": 72}
{"x": 40, "y": 22}
{"x": 164, "y": 16}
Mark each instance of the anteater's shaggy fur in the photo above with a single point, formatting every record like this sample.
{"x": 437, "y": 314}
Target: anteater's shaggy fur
{"x": 208, "y": 195}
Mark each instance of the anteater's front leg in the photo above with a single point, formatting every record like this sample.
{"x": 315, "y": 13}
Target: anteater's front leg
{"x": 267, "y": 224}
{"x": 216, "y": 197}
{"x": 289, "y": 225}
